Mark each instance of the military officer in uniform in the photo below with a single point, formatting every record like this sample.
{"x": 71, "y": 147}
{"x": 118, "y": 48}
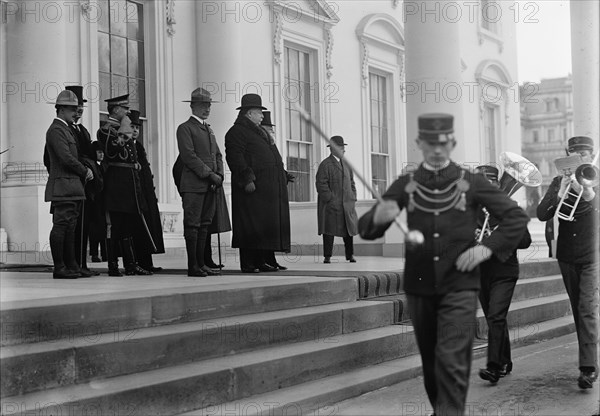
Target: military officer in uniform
{"x": 441, "y": 277}
{"x": 498, "y": 280}
{"x": 577, "y": 254}
{"x": 64, "y": 189}
{"x": 123, "y": 199}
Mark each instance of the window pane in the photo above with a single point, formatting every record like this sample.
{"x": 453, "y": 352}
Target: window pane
{"x": 134, "y": 23}
{"x": 118, "y": 55}
{"x": 104, "y": 89}
{"x": 103, "y": 15}
{"x": 137, "y": 89}
{"x": 118, "y": 17}
{"x": 103, "y": 52}
{"x": 296, "y": 130}
{"x": 133, "y": 58}
{"x": 293, "y": 63}
{"x": 119, "y": 86}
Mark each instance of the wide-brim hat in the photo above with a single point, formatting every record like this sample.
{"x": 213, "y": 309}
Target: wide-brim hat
{"x": 266, "y": 121}
{"x": 489, "y": 172}
{"x": 580, "y": 143}
{"x": 121, "y": 101}
{"x": 78, "y": 90}
{"x": 66, "y": 98}
{"x": 134, "y": 116}
{"x": 338, "y": 141}
{"x": 436, "y": 128}
{"x": 200, "y": 95}
{"x": 251, "y": 101}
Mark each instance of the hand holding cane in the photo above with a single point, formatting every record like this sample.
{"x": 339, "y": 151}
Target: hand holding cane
{"x": 412, "y": 237}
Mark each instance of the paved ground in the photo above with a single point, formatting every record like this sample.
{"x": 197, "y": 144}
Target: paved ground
{"x": 543, "y": 383}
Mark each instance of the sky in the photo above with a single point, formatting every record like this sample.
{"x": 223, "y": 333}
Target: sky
{"x": 543, "y": 39}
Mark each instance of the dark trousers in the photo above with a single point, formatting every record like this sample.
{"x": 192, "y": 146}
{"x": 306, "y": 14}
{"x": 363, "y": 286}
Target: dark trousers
{"x": 328, "y": 246}
{"x": 252, "y": 258}
{"x": 581, "y": 282}
{"x": 198, "y": 212}
{"x": 82, "y": 231}
{"x": 62, "y": 235}
{"x": 495, "y": 297}
{"x": 445, "y": 326}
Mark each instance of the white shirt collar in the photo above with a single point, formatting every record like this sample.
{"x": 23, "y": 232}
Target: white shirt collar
{"x": 427, "y": 166}
{"x": 199, "y": 119}
{"x": 66, "y": 124}
{"x": 336, "y": 158}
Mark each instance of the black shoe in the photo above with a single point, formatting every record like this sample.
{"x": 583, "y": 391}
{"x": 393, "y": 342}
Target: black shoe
{"x": 196, "y": 273}
{"x": 250, "y": 270}
{"x": 115, "y": 272}
{"x": 489, "y": 374}
{"x": 155, "y": 269}
{"x": 87, "y": 272}
{"x": 267, "y": 268}
{"x": 133, "y": 270}
{"x": 96, "y": 259}
{"x": 280, "y": 267}
{"x": 327, "y": 260}
{"x": 505, "y": 370}
{"x": 586, "y": 379}
{"x": 209, "y": 271}
{"x": 213, "y": 265}
{"x": 64, "y": 273}
{"x": 351, "y": 259}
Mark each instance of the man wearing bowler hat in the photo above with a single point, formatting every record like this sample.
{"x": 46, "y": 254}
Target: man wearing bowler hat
{"x": 64, "y": 189}
{"x": 202, "y": 169}
{"x": 441, "y": 277}
{"x": 577, "y": 249}
{"x": 498, "y": 280}
{"x": 260, "y": 206}
{"x": 336, "y": 201}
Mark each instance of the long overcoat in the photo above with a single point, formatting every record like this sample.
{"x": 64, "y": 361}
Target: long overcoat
{"x": 336, "y": 199}
{"x": 66, "y": 172}
{"x": 261, "y": 219}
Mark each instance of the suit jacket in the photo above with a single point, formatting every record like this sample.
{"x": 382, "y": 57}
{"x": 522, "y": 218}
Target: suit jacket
{"x": 578, "y": 239}
{"x": 200, "y": 155}
{"x": 336, "y": 200}
{"x": 66, "y": 172}
{"x": 430, "y": 269}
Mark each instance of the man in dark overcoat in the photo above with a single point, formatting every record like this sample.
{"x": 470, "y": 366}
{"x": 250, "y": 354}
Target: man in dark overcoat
{"x": 260, "y": 206}
{"x": 124, "y": 201}
{"x": 64, "y": 189}
{"x": 577, "y": 252}
{"x": 202, "y": 170}
{"x": 498, "y": 281}
{"x": 336, "y": 202}
{"x": 441, "y": 277}
{"x": 144, "y": 248}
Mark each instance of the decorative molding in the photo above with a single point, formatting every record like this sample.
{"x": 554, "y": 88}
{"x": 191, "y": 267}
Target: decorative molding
{"x": 506, "y": 115}
{"x": 328, "y": 50}
{"x": 169, "y": 220}
{"x": 395, "y": 3}
{"x": 170, "y": 15}
{"x": 365, "y": 62}
{"x": 481, "y": 104}
{"x": 402, "y": 58}
{"x": 277, "y": 36}
{"x": 85, "y": 9}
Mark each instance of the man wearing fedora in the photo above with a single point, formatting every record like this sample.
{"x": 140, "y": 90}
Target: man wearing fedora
{"x": 577, "y": 249}
{"x": 336, "y": 212}
{"x": 202, "y": 170}
{"x": 124, "y": 201}
{"x": 144, "y": 248}
{"x": 498, "y": 280}
{"x": 441, "y": 277}
{"x": 260, "y": 206}
{"x": 64, "y": 189}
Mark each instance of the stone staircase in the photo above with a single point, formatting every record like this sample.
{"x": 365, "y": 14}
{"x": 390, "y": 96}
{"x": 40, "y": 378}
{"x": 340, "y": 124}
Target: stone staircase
{"x": 283, "y": 345}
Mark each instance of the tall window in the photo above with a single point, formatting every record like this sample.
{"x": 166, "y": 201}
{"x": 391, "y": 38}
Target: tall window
{"x": 550, "y": 135}
{"x": 536, "y": 136}
{"x": 379, "y": 132}
{"x": 298, "y": 135}
{"x": 490, "y": 132}
{"x": 121, "y": 52}
{"x": 490, "y": 15}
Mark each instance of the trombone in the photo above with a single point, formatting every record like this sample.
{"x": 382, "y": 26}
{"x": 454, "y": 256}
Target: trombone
{"x": 518, "y": 172}
{"x": 586, "y": 175}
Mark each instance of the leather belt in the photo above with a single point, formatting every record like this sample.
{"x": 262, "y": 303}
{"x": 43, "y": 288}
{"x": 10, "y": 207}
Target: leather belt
{"x": 123, "y": 165}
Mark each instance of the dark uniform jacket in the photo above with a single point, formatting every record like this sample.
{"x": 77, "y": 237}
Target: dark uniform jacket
{"x": 578, "y": 239}
{"x": 261, "y": 219}
{"x": 200, "y": 154}
{"x": 122, "y": 187}
{"x": 66, "y": 172}
{"x": 336, "y": 199}
{"x": 430, "y": 269}
{"x": 152, "y": 214}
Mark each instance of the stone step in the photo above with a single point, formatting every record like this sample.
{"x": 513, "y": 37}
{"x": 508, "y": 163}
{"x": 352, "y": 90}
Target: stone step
{"x": 537, "y": 287}
{"x": 33, "y": 367}
{"x": 532, "y": 267}
{"x": 70, "y": 317}
{"x": 319, "y": 397}
{"x": 185, "y": 387}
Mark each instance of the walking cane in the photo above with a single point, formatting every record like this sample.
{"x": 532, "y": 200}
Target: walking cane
{"x": 218, "y": 229}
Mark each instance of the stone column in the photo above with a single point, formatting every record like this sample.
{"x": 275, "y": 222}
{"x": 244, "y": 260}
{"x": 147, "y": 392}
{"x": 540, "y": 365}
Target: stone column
{"x": 585, "y": 50}
{"x": 433, "y": 70}
{"x": 40, "y": 61}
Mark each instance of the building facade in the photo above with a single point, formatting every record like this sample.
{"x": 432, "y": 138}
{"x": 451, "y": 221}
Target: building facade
{"x": 363, "y": 70}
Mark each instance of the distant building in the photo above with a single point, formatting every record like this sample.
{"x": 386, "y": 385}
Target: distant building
{"x": 546, "y": 125}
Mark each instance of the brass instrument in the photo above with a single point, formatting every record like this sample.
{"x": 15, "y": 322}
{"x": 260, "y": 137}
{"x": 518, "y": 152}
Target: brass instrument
{"x": 586, "y": 174}
{"x": 518, "y": 172}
